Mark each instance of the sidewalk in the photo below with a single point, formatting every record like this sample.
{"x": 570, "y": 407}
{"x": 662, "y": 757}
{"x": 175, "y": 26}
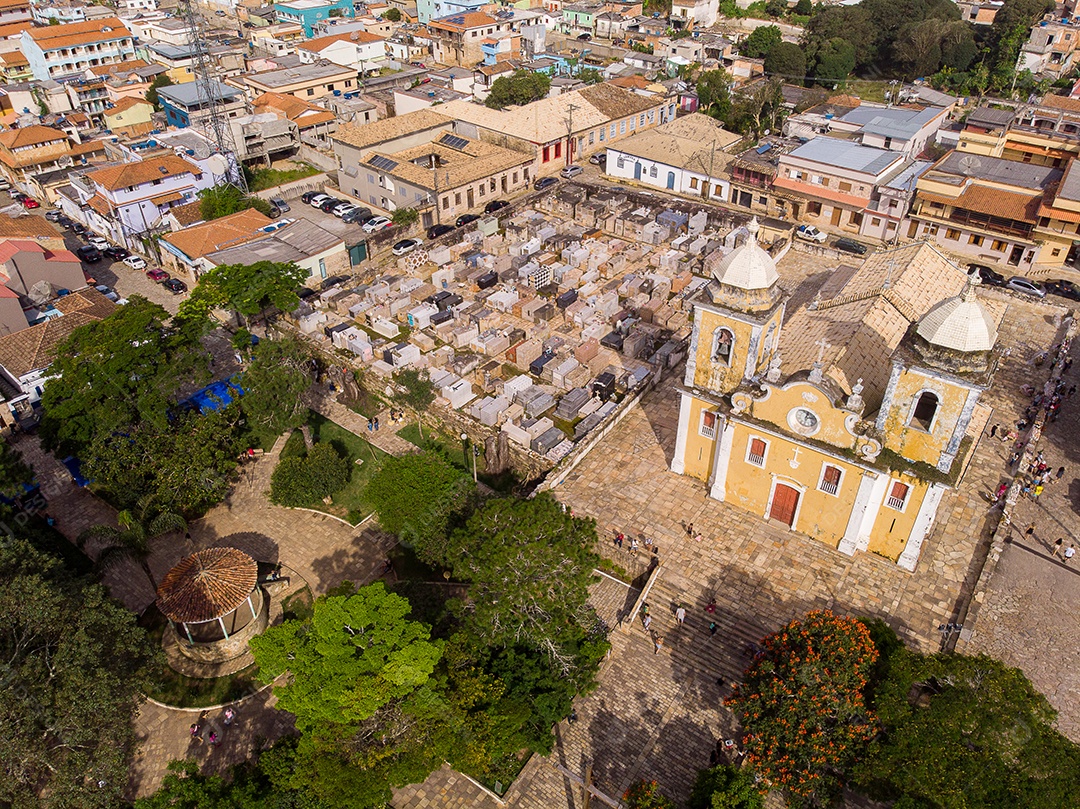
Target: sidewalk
{"x": 385, "y": 438}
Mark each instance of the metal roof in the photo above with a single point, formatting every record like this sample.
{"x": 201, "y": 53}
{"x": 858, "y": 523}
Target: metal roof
{"x": 847, "y": 155}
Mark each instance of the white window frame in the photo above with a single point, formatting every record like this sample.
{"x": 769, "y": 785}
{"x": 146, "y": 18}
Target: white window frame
{"x": 891, "y": 502}
{"x": 822, "y": 483}
{"x": 764, "y": 456}
{"x": 708, "y": 432}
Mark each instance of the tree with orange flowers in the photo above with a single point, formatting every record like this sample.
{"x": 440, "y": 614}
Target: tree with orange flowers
{"x": 801, "y": 703}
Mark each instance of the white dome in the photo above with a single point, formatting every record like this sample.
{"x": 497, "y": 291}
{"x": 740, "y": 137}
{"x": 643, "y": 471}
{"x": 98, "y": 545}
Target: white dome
{"x": 960, "y": 323}
{"x": 748, "y": 266}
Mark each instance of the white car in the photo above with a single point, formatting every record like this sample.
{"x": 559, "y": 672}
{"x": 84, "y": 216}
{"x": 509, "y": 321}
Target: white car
{"x": 406, "y": 246}
{"x": 319, "y": 199}
{"x": 809, "y": 233}
{"x": 135, "y": 262}
{"x": 99, "y": 242}
{"x": 341, "y": 210}
{"x": 377, "y": 223}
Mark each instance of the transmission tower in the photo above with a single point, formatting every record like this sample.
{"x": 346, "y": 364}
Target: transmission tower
{"x": 216, "y": 120}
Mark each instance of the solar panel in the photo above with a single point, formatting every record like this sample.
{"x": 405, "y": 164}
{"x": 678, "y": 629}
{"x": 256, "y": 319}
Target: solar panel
{"x": 384, "y": 163}
{"x": 453, "y": 141}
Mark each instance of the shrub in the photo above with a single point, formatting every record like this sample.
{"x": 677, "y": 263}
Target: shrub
{"x": 305, "y": 480}
{"x": 647, "y": 795}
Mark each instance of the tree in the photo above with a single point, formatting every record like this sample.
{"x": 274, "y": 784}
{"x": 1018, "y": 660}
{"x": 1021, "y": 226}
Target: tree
{"x": 403, "y": 217}
{"x": 960, "y": 731}
{"x": 116, "y": 373}
{"x": 761, "y": 41}
{"x": 529, "y": 564}
{"x": 247, "y": 289}
{"x": 223, "y": 200}
{"x": 725, "y": 787}
{"x": 776, "y": 8}
{"x": 75, "y": 668}
{"x": 801, "y": 702}
{"x": 714, "y": 93}
{"x": 804, "y": 8}
{"x": 131, "y": 540}
{"x": 417, "y": 393}
{"x": 522, "y": 87}
{"x": 833, "y": 62}
{"x": 159, "y": 81}
{"x": 274, "y": 384}
{"x": 786, "y": 60}
{"x": 590, "y": 75}
{"x": 305, "y": 480}
{"x": 417, "y": 497}
{"x": 392, "y": 14}
{"x": 647, "y": 795}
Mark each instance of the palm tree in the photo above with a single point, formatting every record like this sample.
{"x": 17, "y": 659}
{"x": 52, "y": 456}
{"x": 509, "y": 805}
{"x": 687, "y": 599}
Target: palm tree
{"x": 132, "y": 539}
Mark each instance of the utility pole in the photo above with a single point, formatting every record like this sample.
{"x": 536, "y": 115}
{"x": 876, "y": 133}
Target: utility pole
{"x": 570, "y": 134}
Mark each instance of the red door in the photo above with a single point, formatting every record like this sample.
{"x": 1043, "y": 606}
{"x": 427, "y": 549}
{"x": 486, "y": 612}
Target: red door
{"x": 784, "y": 502}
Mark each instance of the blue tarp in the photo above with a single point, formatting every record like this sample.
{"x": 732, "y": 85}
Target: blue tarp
{"x": 74, "y": 467}
{"x": 215, "y": 396}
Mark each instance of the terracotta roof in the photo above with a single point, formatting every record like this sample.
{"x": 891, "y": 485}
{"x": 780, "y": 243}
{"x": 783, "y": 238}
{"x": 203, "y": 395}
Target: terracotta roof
{"x": 992, "y": 202}
{"x": 99, "y": 204}
{"x": 22, "y": 227}
{"x": 30, "y": 136}
{"x": 364, "y": 135}
{"x": 13, "y": 247}
{"x": 34, "y": 348}
{"x": 461, "y": 22}
{"x": 188, "y": 214}
{"x": 844, "y": 101}
{"x": 89, "y": 147}
{"x": 164, "y": 199}
{"x": 234, "y": 229}
{"x": 457, "y": 167}
{"x": 1061, "y": 103}
{"x": 14, "y": 58}
{"x": 293, "y": 108}
{"x": 634, "y": 82}
{"x": 127, "y": 175}
{"x": 207, "y": 585}
{"x": 126, "y": 103}
{"x": 14, "y": 29}
{"x": 359, "y": 37}
{"x": 15, "y": 4}
{"x": 119, "y": 67}
{"x": 52, "y": 37}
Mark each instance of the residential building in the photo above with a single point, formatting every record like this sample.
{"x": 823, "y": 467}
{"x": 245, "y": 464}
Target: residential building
{"x": 350, "y": 108}
{"x": 311, "y": 248}
{"x": 163, "y": 31}
{"x": 428, "y": 10}
{"x": 1050, "y": 50}
{"x": 305, "y": 82}
{"x": 15, "y": 67}
{"x": 686, "y": 156}
{"x": 821, "y": 419}
{"x": 314, "y": 124}
{"x": 611, "y": 25}
{"x": 36, "y": 274}
{"x": 580, "y": 18}
{"x": 696, "y": 13}
{"x": 129, "y": 116}
{"x": 13, "y": 11}
{"x": 32, "y": 149}
{"x": 179, "y": 60}
{"x": 89, "y": 95}
{"x": 357, "y": 50}
{"x": 900, "y": 129}
{"x": 308, "y": 12}
{"x": 127, "y": 79}
{"x": 559, "y": 130}
{"x": 184, "y": 251}
{"x": 423, "y": 97}
{"x": 126, "y": 201}
{"x": 457, "y": 40}
{"x": 63, "y": 51}
{"x": 61, "y": 12}
{"x": 985, "y": 208}
{"x": 189, "y": 104}
{"x": 264, "y": 137}
{"x": 418, "y": 161}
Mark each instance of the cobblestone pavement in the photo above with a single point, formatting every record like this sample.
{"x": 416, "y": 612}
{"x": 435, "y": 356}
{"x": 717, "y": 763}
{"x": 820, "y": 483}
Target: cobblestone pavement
{"x": 1028, "y": 614}
{"x": 385, "y": 438}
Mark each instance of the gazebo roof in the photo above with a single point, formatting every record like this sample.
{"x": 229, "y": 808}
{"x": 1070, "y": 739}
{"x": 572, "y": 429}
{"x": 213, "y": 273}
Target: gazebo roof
{"x": 207, "y": 585}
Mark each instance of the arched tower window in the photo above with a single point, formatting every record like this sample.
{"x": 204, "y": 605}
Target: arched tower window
{"x": 723, "y": 343}
{"x": 925, "y": 409}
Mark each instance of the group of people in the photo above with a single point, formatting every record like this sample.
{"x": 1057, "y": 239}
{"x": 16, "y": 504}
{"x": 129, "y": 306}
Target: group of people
{"x": 395, "y": 417}
{"x": 680, "y": 619}
{"x": 212, "y": 738}
{"x": 633, "y": 547}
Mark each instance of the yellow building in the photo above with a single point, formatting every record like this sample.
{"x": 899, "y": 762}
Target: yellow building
{"x": 845, "y": 420}
{"x": 129, "y": 116}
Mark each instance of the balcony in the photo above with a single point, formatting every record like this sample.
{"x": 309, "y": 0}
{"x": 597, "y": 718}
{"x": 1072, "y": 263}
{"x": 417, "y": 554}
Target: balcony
{"x": 990, "y": 225}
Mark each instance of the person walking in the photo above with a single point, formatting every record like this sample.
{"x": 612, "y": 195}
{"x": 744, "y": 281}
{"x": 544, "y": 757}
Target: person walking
{"x": 658, "y": 642}
{"x": 195, "y": 737}
{"x": 229, "y": 714}
{"x": 712, "y": 627}
{"x": 1070, "y": 552}
{"x": 690, "y": 529}
{"x": 993, "y": 431}
{"x": 1060, "y": 473}
{"x": 646, "y": 622}
{"x": 680, "y": 614}
{"x": 618, "y": 540}
{"x": 1058, "y": 545}
{"x": 633, "y": 546}
{"x": 214, "y": 741}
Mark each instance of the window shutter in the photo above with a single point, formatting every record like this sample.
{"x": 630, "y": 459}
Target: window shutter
{"x": 757, "y": 447}
{"x": 832, "y": 475}
{"x": 899, "y": 491}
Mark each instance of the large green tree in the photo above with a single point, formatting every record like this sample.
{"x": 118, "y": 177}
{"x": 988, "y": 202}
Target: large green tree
{"x": 761, "y": 40}
{"x": 833, "y": 61}
{"x": 274, "y": 384}
{"x": 714, "y": 93}
{"x": 116, "y": 373}
{"x": 223, "y": 200}
{"x": 74, "y": 668}
{"x": 802, "y": 704}
{"x": 522, "y": 87}
{"x": 787, "y": 61}
{"x": 725, "y": 787}
{"x": 247, "y": 289}
{"x": 417, "y": 497}
{"x": 159, "y": 81}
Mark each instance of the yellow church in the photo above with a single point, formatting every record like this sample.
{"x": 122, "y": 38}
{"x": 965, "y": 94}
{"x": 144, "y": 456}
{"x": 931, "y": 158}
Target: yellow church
{"x": 848, "y": 418}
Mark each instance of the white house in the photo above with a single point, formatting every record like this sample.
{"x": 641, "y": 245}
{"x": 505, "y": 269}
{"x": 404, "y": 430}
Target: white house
{"x": 701, "y": 13}
{"x": 357, "y": 50}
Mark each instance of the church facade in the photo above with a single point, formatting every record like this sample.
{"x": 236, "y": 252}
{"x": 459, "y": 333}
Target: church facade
{"x": 848, "y": 419}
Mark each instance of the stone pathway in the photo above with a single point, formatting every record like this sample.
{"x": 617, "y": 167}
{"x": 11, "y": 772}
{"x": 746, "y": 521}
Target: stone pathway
{"x": 385, "y": 438}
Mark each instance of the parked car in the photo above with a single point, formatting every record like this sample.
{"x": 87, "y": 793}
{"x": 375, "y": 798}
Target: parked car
{"x": 599, "y": 159}
{"x": 100, "y": 242}
{"x": 545, "y": 182}
{"x": 496, "y": 205}
{"x": 466, "y": 219}
{"x": 88, "y": 254}
{"x": 571, "y": 171}
{"x": 317, "y": 200}
{"x": 78, "y": 229}
{"x": 406, "y": 246}
{"x": 988, "y": 276}
{"x": 280, "y": 204}
{"x": 135, "y": 262}
{"x": 175, "y": 286}
{"x": 18, "y": 196}
{"x": 357, "y": 214}
{"x": 1020, "y": 284}
{"x": 115, "y": 253}
{"x": 308, "y": 196}
{"x": 108, "y": 292}
{"x": 65, "y": 222}
{"x": 157, "y": 274}
{"x": 30, "y": 203}
{"x": 53, "y": 216}
{"x": 850, "y": 246}
{"x": 377, "y": 223}
{"x": 584, "y": 37}
{"x": 343, "y": 208}
{"x": 1063, "y": 289}
{"x": 809, "y": 233}
{"x": 329, "y": 204}
{"x": 435, "y": 231}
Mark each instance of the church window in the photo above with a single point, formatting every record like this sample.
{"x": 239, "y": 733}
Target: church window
{"x": 898, "y": 495}
{"x": 830, "y": 479}
{"x": 925, "y": 410}
{"x": 723, "y": 342}
{"x": 755, "y": 453}
{"x": 708, "y": 424}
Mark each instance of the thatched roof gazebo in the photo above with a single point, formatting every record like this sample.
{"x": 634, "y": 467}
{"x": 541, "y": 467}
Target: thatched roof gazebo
{"x": 212, "y": 594}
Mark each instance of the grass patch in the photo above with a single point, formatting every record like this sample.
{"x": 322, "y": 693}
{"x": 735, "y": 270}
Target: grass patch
{"x": 867, "y": 89}
{"x": 612, "y": 569}
{"x": 349, "y": 502}
{"x": 451, "y": 449}
{"x": 261, "y": 179}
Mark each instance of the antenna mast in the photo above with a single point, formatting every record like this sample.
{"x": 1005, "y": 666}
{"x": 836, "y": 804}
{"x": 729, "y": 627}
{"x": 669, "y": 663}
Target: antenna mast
{"x": 216, "y": 120}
